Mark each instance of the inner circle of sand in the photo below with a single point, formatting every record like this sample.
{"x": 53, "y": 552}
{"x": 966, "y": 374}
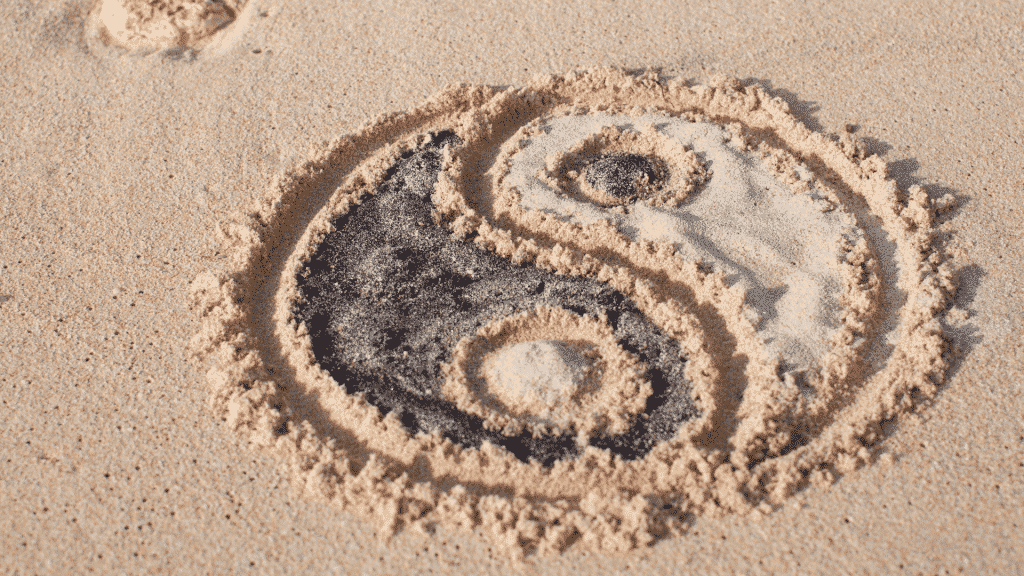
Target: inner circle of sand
{"x": 603, "y": 394}
{"x": 759, "y": 437}
{"x": 678, "y": 169}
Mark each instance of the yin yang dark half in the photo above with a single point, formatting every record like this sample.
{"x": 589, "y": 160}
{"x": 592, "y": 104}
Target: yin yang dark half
{"x": 388, "y": 294}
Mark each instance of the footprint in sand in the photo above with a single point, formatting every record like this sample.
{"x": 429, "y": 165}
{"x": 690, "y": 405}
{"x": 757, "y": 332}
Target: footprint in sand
{"x": 145, "y": 26}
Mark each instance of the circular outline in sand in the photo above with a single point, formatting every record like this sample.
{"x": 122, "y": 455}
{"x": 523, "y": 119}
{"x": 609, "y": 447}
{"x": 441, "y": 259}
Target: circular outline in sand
{"x": 262, "y": 358}
{"x": 681, "y": 170}
{"x": 607, "y": 405}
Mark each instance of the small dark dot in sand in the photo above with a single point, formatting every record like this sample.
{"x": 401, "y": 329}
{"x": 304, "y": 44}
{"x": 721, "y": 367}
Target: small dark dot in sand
{"x": 621, "y": 175}
{"x": 256, "y": 51}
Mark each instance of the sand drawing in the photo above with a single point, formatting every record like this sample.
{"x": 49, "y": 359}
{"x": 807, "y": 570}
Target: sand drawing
{"x": 580, "y": 312}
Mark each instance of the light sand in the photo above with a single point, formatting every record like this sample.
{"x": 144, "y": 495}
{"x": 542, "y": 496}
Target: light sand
{"x": 116, "y": 170}
{"x": 746, "y": 222}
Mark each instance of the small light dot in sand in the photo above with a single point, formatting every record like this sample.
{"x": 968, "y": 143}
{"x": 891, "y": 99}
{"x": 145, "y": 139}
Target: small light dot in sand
{"x": 550, "y": 370}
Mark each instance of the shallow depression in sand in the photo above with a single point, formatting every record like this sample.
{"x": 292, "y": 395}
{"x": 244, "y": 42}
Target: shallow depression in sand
{"x": 586, "y": 311}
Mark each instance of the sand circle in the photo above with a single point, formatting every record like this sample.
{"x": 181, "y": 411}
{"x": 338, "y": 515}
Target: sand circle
{"x": 548, "y": 370}
{"x": 377, "y": 294}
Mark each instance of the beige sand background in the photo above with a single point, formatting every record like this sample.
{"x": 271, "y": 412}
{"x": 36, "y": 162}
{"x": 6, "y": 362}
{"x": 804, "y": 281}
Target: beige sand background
{"x": 114, "y": 172}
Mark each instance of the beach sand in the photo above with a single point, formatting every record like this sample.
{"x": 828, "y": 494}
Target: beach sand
{"x": 117, "y": 168}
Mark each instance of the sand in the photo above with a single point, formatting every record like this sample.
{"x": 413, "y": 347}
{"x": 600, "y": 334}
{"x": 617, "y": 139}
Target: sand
{"x": 303, "y": 376}
{"x": 120, "y": 168}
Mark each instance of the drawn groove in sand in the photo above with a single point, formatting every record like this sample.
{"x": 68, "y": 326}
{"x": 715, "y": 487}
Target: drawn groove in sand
{"x": 339, "y": 364}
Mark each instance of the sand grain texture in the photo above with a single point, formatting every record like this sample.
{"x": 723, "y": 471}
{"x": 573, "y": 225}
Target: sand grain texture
{"x": 115, "y": 170}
